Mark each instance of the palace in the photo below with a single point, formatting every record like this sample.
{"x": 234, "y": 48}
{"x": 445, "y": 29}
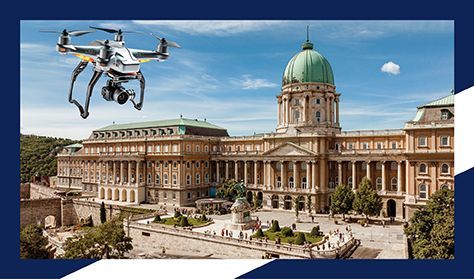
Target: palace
{"x": 178, "y": 161}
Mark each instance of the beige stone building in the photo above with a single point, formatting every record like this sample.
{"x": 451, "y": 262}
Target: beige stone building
{"x": 175, "y": 162}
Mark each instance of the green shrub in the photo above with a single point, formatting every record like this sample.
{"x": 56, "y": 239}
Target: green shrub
{"x": 177, "y": 214}
{"x": 287, "y": 232}
{"x": 157, "y": 219}
{"x": 315, "y": 231}
{"x": 183, "y": 222}
{"x": 275, "y": 226}
{"x": 259, "y": 233}
{"x": 203, "y": 217}
{"x": 300, "y": 238}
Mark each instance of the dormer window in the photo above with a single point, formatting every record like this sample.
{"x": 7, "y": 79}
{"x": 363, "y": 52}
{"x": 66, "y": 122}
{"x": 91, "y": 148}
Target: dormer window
{"x": 445, "y": 114}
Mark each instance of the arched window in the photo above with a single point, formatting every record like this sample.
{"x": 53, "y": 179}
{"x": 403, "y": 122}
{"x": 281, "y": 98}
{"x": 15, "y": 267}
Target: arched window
{"x": 423, "y": 168}
{"x": 303, "y": 182}
{"x": 198, "y": 148}
{"x": 198, "y": 178}
{"x": 157, "y": 179}
{"x": 393, "y": 166}
{"x": 349, "y": 181}
{"x": 174, "y": 180}
{"x": 394, "y": 184}
{"x": 378, "y": 183}
{"x": 445, "y": 169}
{"x": 444, "y": 186}
{"x": 296, "y": 116}
{"x": 278, "y": 181}
{"x": 291, "y": 182}
{"x": 188, "y": 179}
{"x": 165, "y": 179}
{"x": 422, "y": 191}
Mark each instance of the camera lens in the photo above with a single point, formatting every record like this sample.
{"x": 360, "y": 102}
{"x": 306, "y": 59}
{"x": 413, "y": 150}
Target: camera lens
{"x": 120, "y": 96}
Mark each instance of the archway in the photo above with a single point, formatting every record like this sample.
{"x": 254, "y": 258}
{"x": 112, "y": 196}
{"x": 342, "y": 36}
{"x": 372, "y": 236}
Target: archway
{"x": 124, "y": 195}
{"x": 132, "y": 196}
{"x": 101, "y": 193}
{"x": 391, "y": 208}
{"x": 249, "y": 197}
{"x": 109, "y": 194}
{"x": 259, "y": 198}
{"x": 116, "y": 194}
{"x": 288, "y": 202}
{"x": 301, "y": 203}
{"x": 275, "y": 201}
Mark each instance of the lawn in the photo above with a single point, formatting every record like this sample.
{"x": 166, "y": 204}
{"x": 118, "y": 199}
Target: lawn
{"x": 171, "y": 221}
{"x": 291, "y": 239}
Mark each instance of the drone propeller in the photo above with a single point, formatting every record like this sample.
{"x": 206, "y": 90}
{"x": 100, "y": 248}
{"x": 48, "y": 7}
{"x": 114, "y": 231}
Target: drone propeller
{"x": 114, "y": 31}
{"x": 72, "y": 33}
{"x": 165, "y": 42}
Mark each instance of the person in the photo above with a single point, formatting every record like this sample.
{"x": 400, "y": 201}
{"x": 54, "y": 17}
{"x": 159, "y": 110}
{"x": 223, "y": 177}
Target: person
{"x": 312, "y": 219}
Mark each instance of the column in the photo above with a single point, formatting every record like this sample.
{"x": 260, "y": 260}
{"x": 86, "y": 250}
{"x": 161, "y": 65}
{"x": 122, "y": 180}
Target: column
{"x": 121, "y": 172}
{"x": 218, "y": 175}
{"x": 107, "y": 163}
{"x": 193, "y": 173}
{"x": 399, "y": 177}
{"x": 279, "y": 112}
{"x": 236, "y": 170}
{"x": 383, "y": 177}
{"x": 255, "y": 172}
{"x": 100, "y": 172}
{"x": 114, "y": 177}
{"x": 265, "y": 174}
{"x": 328, "y": 114}
{"x": 287, "y": 111}
{"x": 245, "y": 173}
{"x": 337, "y": 111}
{"x": 178, "y": 175}
{"x": 226, "y": 169}
{"x": 339, "y": 172}
{"x": 313, "y": 176}
{"x": 368, "y": 170}
{"x": 283, "y": 174}
{"x": 296, "y": 174}
{"x": 137, "y": 164}
{"x": 129, "y": 177}
{"x": 308, "y": 175}
{"x": 323, "y": 185}
{"x": 354, "y": 180}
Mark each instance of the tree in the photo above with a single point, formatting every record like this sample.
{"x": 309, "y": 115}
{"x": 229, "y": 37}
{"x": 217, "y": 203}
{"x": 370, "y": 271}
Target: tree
{"x": 300, "y": 238}
{"x": 33, "y": 243}
{"x": 255, "y": 200}
{"x": 315, "y": 231}
{"x": 342, "y": 199}
{"x": 297, "y": 208}
{"x": 231, "y": 190}
{"x": 103, "y": 215}
{"x": 286, "y": 231}
{"x": 183, "y": 221}
{"x": 157, "y": 219}
{"x": 275, "y": 226}
{"x": 309, "y": 204}
{"x": 107, "y": 241}
{"x": 259, "y": 233}
{"x": 431, "y": 228}
{"x": 366, "y": 200}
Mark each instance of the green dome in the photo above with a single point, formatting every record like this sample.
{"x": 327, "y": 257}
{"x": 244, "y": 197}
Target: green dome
{"x": 308, "y": 66}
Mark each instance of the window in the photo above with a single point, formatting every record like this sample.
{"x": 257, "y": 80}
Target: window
{"x": 189, "y": 196}
{"x": 423, "y": 168}
{"x": 148, "y": 179}
{"x": 188, "y": 165}
{"x": 445, "y": 169}
{"x": 198, "y": 148}
{"x": 379, "y": 145}
{"x": 291, "y": 182}
{"x": 198, "y": 165}
{"x": 444, "y": 186}
{"x": 165, "y": 165}
{"x": 318, "y": 116}
{"x": 158, "y": 148}
{"x": 296, "y": 102}
{"x": 165, "y": 195}
{"x": 349, "y": 181}
{"x": 317, "y": 101}
{"x": 165, "y": 148}
{"x": 378, "y": 183}
{"x": 148, "y": 164}
{"x": 188, "y": 148}
{"x": 444, "y": 140}
{"x": 148, "y": 148}
{"x": 422, "y": 191}
{"x": 296, "y": 116}
{"x": 278, "y": 181}
{"x": 198, "y": 178}
{"x": 174, "y": 196}
{"x": 175, "y": 148}
{"x": 206, "y": 148}
{"x": 188, "y": 179}
{"x": 303, "y": 183}
{"x": 206, "y": 164}
{"x": 174, "y": 179}
{"x": 394, "y": 184}
{"x": 394, "y": 145}
{"x": 365, "y": 145}
{"x": 351, "y": 146}
{"x": 165, "y": 179}
{"x": 444, "y": 114}
{"x": 157, "y": 179}
{"x": 422, "y": 141}
{"x": 336, "y": 146}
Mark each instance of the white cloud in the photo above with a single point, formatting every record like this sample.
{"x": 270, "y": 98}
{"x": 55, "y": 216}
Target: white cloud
{"x": 212, "y": 27}
{"x": 249, "y": 83}
{"x": 390, "y": 68}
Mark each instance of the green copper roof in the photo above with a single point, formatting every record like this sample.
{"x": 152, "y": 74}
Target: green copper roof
{"x": 445, "y": 101}
{"x": 75, "y": 145}
{"x": 162, "y": 123}
{"x": 308, "y": 66}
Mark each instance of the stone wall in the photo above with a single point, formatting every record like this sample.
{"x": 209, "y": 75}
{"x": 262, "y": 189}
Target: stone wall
{"x": 24, "y": 190}
{"x": 41, "y": 192}
{"x": 34, "y": 211}
{"x": 83, "y": 209}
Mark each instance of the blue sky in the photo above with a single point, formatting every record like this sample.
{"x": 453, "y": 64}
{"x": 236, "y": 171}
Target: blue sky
{"x": 229, "y": 72}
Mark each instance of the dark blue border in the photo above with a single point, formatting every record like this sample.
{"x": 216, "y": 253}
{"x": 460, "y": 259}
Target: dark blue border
{"x": 12, "y": 266}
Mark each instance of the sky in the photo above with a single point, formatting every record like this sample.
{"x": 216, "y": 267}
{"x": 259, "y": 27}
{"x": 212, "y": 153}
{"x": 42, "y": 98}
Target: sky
{"x": 229, "y": 72}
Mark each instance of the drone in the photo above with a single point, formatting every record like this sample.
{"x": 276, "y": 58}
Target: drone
{"x": 112, "y": 58}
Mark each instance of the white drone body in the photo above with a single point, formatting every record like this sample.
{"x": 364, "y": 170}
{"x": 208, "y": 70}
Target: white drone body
{"x": 121, "y": 64}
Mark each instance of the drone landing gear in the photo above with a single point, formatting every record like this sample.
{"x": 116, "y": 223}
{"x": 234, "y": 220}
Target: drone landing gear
{"x": 95, "y": 77}
{"x": 140, "y": 78}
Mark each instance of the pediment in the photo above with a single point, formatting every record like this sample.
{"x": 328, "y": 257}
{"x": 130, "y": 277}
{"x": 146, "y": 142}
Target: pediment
{"x": 289, "y": 149}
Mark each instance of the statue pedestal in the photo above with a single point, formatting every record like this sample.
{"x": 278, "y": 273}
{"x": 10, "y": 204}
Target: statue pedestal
{"x": 241, "y": 219}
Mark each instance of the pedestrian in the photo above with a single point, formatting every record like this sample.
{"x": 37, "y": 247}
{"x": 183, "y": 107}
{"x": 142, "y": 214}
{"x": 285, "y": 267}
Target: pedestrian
{"x": 226, "y": 232}
{"x": 312, "y": 219}
{"x": 245, "y": 235}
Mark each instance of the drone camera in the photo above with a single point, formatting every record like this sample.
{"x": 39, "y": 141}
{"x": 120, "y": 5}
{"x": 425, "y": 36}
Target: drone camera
{"x": 115, "y": 92}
